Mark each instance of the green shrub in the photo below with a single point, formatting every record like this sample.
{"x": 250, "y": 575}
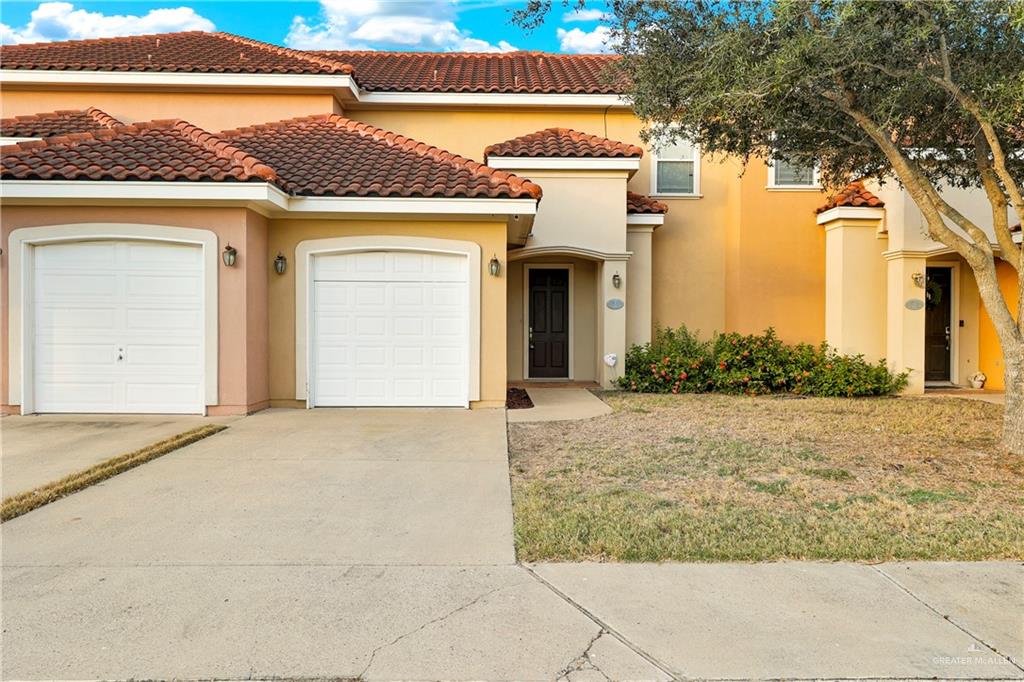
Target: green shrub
{"x": 677, "y": 361}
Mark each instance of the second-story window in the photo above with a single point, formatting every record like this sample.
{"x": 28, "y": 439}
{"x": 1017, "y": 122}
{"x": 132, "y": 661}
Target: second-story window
{"x": 786, "y": 174}
{"x": 676, "y": 169}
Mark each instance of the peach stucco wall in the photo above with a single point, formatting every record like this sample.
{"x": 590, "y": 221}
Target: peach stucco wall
{"x": 286, "y": 234}
{"x": 242, "y": 371}
{"x": 991, "y": 353}
{"x": 213, "y": 111}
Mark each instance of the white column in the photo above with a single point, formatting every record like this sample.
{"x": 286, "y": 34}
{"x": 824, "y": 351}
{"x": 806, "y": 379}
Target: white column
{"x": 611, "y": 316}
{"x": 855, "y": 289}
{"x": 905, "y": 324}
{"x": 638, "y": 273}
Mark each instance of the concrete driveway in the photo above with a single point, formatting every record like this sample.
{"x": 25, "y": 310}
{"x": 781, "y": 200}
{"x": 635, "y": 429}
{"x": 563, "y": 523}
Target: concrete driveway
{"x": 36, "y": 450}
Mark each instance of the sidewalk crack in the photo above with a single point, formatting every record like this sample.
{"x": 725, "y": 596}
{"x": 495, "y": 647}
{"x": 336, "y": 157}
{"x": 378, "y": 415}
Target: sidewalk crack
{"x": 583, "y": 661}
{"x": 433, "y": 621}
{"x": 605, "y": 628}
{"x": 946, "y": 617}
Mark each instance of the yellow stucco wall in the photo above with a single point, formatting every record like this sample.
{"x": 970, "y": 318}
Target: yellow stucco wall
{"x": 285, "y": 235}
{"x": 776, "y": 261}
{"x": 213, "y": 111}
{"x": 991, "y": 355}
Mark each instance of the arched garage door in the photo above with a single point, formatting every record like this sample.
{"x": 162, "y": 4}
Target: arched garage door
{"x": 390, "y": 328}
{"x": 118, "y": 327}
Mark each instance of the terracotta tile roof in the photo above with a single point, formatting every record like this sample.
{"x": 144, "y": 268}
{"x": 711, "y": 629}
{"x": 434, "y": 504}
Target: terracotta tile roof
{"x": 564, "y": 143}
{"x": 160, "y": 150}
{"x": 639, "y": 203}
{"x": 508, "y": 72}
{"x": 330, "y": 155}
{"x": 854, "y": 194}
{"x": 57, "y": 123}
{"x": 191, "y": 51}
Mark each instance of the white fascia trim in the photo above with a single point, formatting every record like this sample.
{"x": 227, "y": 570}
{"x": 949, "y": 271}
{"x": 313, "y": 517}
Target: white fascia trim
{"x": 564, "y": 163}
{"x": 645, "y": 219}
{"x": 491, "y": 99}
{"x": 16, "y": 140}
{"x": 290, "y": 81}
{"x": 261, "y": 194}
{"x": 118, "y": 190}
{"x": 412, "y": 205}
{"x": 850, "y": 213}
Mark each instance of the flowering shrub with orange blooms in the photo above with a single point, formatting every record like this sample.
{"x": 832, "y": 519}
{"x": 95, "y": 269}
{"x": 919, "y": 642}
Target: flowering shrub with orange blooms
{"x": 676, "y": 361}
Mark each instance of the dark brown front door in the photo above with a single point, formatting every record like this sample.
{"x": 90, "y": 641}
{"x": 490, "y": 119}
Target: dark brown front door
{"x": 938, "y": 320}
{"x": 548, "y": 333}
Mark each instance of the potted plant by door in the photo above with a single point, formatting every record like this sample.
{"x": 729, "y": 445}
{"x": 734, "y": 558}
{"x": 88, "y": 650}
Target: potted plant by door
{"x": 978, "y": 380}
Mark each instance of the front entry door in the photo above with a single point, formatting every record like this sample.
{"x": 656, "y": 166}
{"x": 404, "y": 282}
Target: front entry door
{"x": 548, "y": 333}
{"x": 938, "y": 320}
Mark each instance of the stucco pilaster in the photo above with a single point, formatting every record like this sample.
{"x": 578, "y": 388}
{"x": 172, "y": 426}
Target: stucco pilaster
{"x": 611, "y": 316}
{"x": 638, "y": 276}
{"x": 905, "y": 308}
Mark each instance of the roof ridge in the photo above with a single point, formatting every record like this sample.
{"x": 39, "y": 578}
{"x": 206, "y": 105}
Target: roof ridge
{"x": 332, "y": 64}
{"x": 73, "y": 139}
{"x": 853, "y": 194}
{"x": 110, "y": 39}
{"x": 409, "y": 144}
{"x": 610, "y": 145}
{"x": 102, "y": 118}
{"x": 462, "y": 53}
{"x": 225, "y": 150}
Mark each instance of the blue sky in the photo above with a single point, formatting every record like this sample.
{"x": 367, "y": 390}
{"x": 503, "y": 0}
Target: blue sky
{"x": 475, "y": 25}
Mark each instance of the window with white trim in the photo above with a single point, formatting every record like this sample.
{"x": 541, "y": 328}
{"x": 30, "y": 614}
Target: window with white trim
{"x": 676, "y": 169}
{"x": 784, "y": 174}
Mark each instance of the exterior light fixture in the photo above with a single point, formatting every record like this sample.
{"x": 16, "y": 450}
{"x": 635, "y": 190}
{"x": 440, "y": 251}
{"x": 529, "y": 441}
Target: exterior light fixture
{"x": 494, "y": 267}
{"x": 616, "y": 280}
{"x": 229, "y": 255}
{"x": 280, "y": 263}
{"x": 918, "y": 279}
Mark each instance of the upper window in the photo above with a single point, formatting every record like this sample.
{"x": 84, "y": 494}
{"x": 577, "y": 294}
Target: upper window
{"x": 786, "y": 174}
{"x": 677, "y": 169}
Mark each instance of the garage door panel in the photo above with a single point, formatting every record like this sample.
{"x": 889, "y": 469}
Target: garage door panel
{"x": 126, "y": 339}
{"x": 390, "y": 329}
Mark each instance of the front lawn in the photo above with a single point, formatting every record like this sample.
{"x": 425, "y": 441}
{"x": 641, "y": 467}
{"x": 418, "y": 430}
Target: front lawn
{"x": 724, "y": 478}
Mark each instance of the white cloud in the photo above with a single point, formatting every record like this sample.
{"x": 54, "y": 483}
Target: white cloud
{"x": 584, "y": 14}
{"x": 61, "y": 21}
{"x": 384, "y": 24}
{"x": 580, "y": 41}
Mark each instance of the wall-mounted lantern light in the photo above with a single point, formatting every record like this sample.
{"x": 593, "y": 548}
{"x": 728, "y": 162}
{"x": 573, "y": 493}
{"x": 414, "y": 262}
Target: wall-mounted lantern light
{"x": 494, "y": 267}
{"x": 918, "y": 278}
{"x": 229, "y": 255}
{"x": 616, "y": 280}
{"x": 280, "y": 264}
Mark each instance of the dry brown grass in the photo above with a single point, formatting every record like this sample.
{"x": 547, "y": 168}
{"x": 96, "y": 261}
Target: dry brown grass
{"x": 22, "y": 503}
{"x": 710, "y": 477}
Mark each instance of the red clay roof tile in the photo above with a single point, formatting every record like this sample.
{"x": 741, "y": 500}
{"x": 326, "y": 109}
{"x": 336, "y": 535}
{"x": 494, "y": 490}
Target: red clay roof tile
{"x": 854, "y": 194}
{"x": 507, "y": 72}
{"x": 190, "y": 51}
{"x": 57, "y": 123}
{"x": 170, "y": 150}
{"x": 640, "y": 203}
{"x": 330, "y": 155}
{"x": 563, "y": 142}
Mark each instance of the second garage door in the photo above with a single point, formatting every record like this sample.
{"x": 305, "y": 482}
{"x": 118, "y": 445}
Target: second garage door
{"x": 390, "y": 328}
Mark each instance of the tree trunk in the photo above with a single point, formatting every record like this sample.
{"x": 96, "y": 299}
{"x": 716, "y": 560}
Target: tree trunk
{"x": 1013, "y": 417}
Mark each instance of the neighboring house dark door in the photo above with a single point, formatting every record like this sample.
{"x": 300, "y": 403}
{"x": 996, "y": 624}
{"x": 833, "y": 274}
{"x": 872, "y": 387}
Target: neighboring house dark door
{"x": 938, "y": 320}
{"x": 548, "y": 334}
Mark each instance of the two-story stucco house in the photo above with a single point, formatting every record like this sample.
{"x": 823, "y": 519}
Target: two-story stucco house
{"x": 203, "y": 223}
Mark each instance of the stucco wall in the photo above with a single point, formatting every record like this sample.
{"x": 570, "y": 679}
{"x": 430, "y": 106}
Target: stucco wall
{"x": 776, "y": 261}
{"x": 213, "y": 111}
{"x": 285, "y": 235}
{"x": 689, "y": 250}
{"x": 242, "y": 383}
{"x": 991, "y": 354}
{"x": 584, "y": 321}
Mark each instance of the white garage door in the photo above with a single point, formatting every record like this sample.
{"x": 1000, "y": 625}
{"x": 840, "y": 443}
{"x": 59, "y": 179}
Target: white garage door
{"x": 390, "y": 328}
{"x": 118, "y": 327}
